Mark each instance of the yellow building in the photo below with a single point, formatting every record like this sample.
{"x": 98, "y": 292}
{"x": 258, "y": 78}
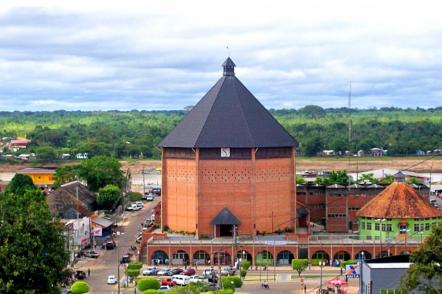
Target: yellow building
{"x": 39, "y": 176}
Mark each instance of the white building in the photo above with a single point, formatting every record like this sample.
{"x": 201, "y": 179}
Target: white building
{"x": 78, "y": 232}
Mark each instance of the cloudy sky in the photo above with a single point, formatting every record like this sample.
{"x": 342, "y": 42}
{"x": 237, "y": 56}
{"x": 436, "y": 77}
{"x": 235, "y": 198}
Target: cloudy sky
{"x": 100, "y": 55}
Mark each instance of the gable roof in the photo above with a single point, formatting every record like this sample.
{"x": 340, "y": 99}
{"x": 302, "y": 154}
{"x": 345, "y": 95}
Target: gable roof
{"x": 398, "y": 200}
{"x": 64, "y": 199}
{"x": 228, "y": 116}
{"x": 225, "y": 217}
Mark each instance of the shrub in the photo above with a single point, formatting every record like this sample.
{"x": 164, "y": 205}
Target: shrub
{"x": 245, "y": 264}
{"x": 226, "y": 291}
{"x": 315, "y": 262}
{"x": 231, "y": 282}
{"x": 80, "y": 287}
{"x": 299, "y": 265}
{"x": 151, "y": 291}
{"x": 135, "y": 265}
{"x": 243, "y": 273}
{"x": 144, "y": 284}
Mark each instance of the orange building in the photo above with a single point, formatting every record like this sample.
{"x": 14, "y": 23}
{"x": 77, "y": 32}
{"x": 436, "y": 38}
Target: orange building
{"x": 229, "y": 166}
{"x": 40, "y": 176}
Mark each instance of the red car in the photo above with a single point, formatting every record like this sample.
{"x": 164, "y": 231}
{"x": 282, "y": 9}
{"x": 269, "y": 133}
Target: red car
{"x": 168, "y": 282}
{"x": 189, "y": 272}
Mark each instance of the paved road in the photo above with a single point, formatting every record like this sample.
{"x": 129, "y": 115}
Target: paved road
{"x": 107, "y": 263}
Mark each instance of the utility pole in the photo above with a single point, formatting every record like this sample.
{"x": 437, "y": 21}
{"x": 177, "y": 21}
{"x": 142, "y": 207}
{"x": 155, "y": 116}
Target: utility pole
{"x": 144, "y": 182}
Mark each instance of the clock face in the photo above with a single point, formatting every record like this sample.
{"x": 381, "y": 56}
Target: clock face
{"x": 225, "y": 152}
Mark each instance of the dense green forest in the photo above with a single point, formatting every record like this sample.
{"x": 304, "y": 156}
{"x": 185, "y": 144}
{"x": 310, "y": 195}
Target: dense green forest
{"x": 136, "y": 133}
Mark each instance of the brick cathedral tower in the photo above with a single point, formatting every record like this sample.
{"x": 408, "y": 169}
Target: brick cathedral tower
{"x": 228, "y": 164}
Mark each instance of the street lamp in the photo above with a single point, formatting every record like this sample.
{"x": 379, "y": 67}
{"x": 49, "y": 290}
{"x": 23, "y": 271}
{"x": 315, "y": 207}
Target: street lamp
{"x": 321, "y": 264}
{"x": 361, "y": 260}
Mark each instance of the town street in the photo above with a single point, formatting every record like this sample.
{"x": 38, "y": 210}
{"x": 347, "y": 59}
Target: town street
{"x": 107, "y": 263}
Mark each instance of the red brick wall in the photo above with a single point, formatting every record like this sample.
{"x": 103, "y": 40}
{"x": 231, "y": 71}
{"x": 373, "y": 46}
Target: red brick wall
{"x": 180, "y": 194}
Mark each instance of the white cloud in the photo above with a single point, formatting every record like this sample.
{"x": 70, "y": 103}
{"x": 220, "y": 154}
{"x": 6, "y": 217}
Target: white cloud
{"x": 166, "y": 54}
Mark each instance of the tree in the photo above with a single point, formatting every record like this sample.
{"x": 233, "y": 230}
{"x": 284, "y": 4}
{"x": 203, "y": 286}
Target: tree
{"x": 339, "y": 177}
{"x": 20, "y": 184}
{"x": 387, "y": 180}
{"x": 144, "y": 284}
{"x": 100, "y": 171}
{"x": 425, "y": 272}
{"x": 367, "y": 178}
{"x": 33, "y": 257}
{"x": 46, "y": 153}
{"x": 300, "y": 180}
{"x": 80, "y": 287}
{"x": 299, "y": 265}
{"x": 65, "y": 174}
{"x": 312, "y": 111}
{"x": 109, "y": 196}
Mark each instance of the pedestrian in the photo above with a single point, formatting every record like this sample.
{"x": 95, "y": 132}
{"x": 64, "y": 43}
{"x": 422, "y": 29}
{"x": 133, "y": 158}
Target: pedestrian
{"x": 88, "y": 272}
{"x": 305, "y": 289}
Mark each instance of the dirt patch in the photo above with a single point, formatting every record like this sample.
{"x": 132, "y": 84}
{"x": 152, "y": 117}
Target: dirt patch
{"x": 417, "y": 164}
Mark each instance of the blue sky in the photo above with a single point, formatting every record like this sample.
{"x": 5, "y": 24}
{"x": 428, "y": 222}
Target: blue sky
{"x": 100, "y": 55}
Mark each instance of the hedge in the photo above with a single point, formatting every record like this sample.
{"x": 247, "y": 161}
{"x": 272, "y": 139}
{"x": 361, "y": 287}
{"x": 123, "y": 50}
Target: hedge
{"x": 80, "y": 287}
{"x": 144, "y": 284}
{"x": 152, "y": 291}
{"x": 348, "y": 262}
{"x": 225, "y": 291}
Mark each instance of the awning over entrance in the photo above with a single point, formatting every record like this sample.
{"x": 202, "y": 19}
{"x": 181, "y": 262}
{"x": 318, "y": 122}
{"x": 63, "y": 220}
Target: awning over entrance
{"x": 225, "y": 217}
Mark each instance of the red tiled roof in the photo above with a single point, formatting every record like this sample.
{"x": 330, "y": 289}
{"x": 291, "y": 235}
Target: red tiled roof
{"x": 399, "y": 200}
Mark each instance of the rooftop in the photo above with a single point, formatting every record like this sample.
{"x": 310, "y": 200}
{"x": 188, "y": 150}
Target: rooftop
{"x": 228, "y": 116}
{"x": 398, "y": 201}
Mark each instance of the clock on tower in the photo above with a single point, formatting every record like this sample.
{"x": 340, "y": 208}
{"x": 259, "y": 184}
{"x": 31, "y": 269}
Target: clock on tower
{"x": 225, "y": 152}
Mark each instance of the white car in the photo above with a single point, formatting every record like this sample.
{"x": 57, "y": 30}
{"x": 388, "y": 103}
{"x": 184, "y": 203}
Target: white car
{"x": 132, "y": 207}
{"x": 111, "y": 280}
{"x": 139, "y": 204}
{"x": 149, "y": 197}
{"x": 196, "y": 279}
{"x": 163, "y": 272}
{"x": 150, "y": 271}
{"x": 164, "y": 288}
{"x": 181, "y": 280}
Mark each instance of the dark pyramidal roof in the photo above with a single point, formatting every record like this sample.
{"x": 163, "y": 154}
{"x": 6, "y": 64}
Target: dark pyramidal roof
{"x": 228, "y": 116}
{"x": 225, "y": 217}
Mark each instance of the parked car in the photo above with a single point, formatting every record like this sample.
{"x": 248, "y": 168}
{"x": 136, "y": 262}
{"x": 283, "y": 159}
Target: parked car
{"x": 189, "y": 272}
{"x": 168, "y": 282}
{"x": 196, "y": 279}
{"x": 156, "y": 191}
{"x": 139, "y": 204}
{"x": 91, "y": 254}
{"x": 125, "y": 259}
{"x": 181, "y": 280}
{"x": 164, "y": 288}
{"x": 163, "y": 272}
{"x": 149, "y": 197}
{"x": 131, "y": 207}
{"x": 80, "y": 275}
{"x": 109, "y": 245}
{"x": 111, "y": 280}
{"x": 175, "y": 271}
{"x": 208, "y": 272}
{"x": 228, "y": 271}
{"x": 150, "y": 271}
